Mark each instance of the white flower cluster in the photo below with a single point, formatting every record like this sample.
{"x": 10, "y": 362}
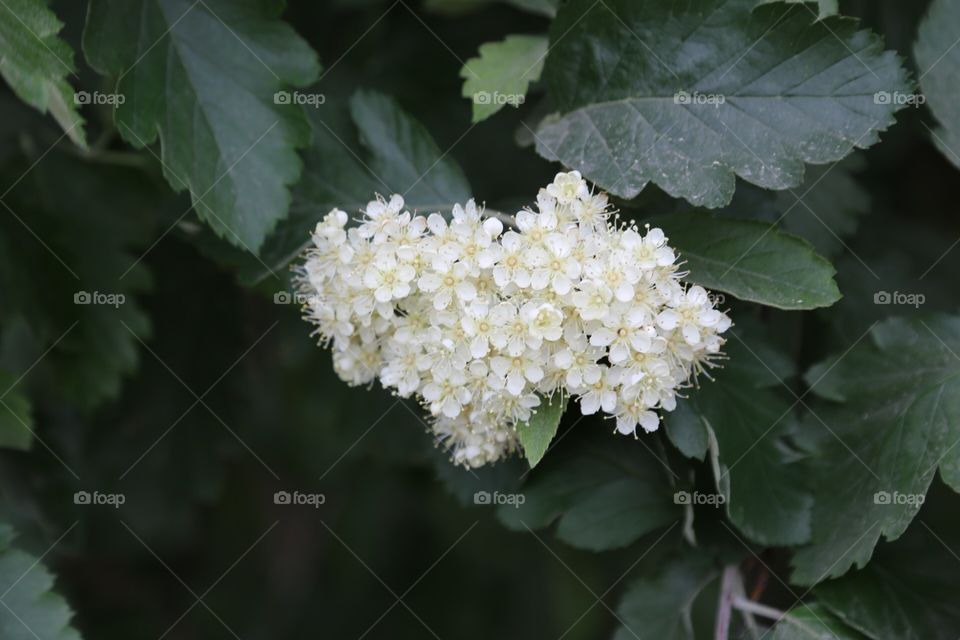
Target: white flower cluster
{"x": 481, "y": 323}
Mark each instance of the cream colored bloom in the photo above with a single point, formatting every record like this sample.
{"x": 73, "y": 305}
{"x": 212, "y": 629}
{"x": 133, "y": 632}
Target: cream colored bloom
{"x": 480, "y": 323}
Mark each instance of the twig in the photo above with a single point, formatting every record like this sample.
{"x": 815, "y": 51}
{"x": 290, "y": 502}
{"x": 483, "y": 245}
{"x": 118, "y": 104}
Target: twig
{"x": 728, "y": 584}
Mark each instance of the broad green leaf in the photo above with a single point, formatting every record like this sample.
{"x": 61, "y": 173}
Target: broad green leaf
{"x": 824, "y": 211}
{"x": 812, "y": 622}
{"x": 536, "y": 434}
{"x": 403, "y": 156}
{"x": 687, "y": 431}
{"x": 751, "y": 260}
{"x": 84, "y": 274}
{"x": 660, "y": 606}
{"x": 938, "y": 59}
{"x": 690, "y": 95}
{"x": 749, "y": 414}
{"x": 340, "y": 174}
{"x": 502, "y": 73}
{"x": 32, "y": 610}
{"x": 909, "y": 591}
{"x": 606, "y": 496}
{"x": 210, "y": 79}
{"x": 16, "y": 415}
{"x": 35, "y": 62}
{"x": 894, "y": 417}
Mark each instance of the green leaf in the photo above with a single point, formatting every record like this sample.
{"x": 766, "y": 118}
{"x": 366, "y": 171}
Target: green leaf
{"x": 536, "y": 434}
{"x": 660, "y": 606}
{"x": 812, "y": 622}
{"x": 894, "y": 418}
{"x": 749, "y": 415}
{"x": 403, "y": 155}
{"x": 824, "y": 211}
{"x": 16, "y": 415}
{"x": 402, "y": 158}
{"x": 690, "y": 96}
{"x": 606, "y": 496}
{"x": 204, "y": 78}
{"x": 502, "y": 73}
{"x": 35, "y": 62}
{"x": 32, "y": 610}
{"x": 751, "y": 260}
{"x": 72, "y": 258}
{"x": 938, "y": 59}
{"x": 909, "y": 591}
{"x": 687, "y": 431}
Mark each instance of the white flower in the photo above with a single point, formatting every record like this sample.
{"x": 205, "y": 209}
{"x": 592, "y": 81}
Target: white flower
{"x": 381, "y": 218}
{"x": 601, "y": 394}
{"x": 592, "y": 301}
{"x": 388, "y": 279}
{"x": 446, "y": 282}
{"x": 622, "y": 331}
{"x": 512, "y": 264}
{"x": 513, "y": 372}
{"x": 568, "y": 187}
{"x": 447, "y": 396}
{"x": 633, "y": 413}
{"x": 544, "y": 321}
{"x": 480, "y": 324}
{"x": 557, "y": 268}
{"x": 579, "y": 360}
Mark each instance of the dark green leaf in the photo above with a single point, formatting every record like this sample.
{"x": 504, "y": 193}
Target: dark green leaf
{"x": 749, "y": 415}
{"x": 31, "y": 609}
{"x": 939, "y": 61}
{"x": 660, "y": 606}
{"x": 35, "y": 62}
{"x": 16, "y": 415}
{"x": 751, "y": 260}
{"x": 825, "y": 211}
{"x": 403, "y": 159}
{"x": 78, "y": 296}
{"x": 205, "y": 78}
{"x": 607, "y": 496}
{"x": 894, "y": 419}
{"x": 909, "y": 591}
{"x": 813, "y": 622}
{"x": 690, "y": 95}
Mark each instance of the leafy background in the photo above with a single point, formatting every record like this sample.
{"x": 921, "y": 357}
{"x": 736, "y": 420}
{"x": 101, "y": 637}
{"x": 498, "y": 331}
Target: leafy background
{"x": 201, "y": 395}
